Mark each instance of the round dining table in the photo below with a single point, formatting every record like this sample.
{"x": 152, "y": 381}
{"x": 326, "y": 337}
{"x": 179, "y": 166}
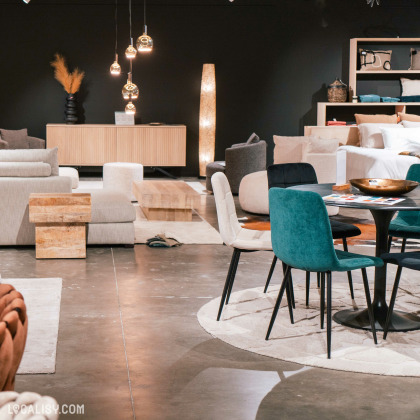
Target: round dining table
{"x": 382, "y": 214}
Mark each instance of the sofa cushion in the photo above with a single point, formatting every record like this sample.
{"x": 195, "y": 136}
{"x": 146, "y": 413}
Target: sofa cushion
{"x": 371, "y": 135}
{"x": 407, "y": 139}
{"x": 409, "y": 117}
{"x": 290, "y": 149}
{"x": 25, "y": 169}
{"x": 32, "y": 155}
{"x": 110, "y": 206}
{"x": 16, "y": 139}
{"x": 71, "y": 173}
{"x": 4, "y": 144}
{"x": 411, "y": 124}
{"x": 376, "y": 118}
{"x": 253, "y": 138}
{"x": 320, "y": 145}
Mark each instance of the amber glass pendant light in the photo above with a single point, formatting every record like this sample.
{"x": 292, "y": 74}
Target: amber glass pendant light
{"x": 144, "y": 42}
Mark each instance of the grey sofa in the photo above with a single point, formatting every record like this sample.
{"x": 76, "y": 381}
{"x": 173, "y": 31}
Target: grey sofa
{"x": 240, "y": 160}
{"x": 23, "y": 172}
{"x": 19, "y": 139}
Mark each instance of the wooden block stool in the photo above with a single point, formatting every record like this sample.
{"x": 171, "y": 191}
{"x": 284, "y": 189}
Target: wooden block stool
{"x": 60, "y": 224}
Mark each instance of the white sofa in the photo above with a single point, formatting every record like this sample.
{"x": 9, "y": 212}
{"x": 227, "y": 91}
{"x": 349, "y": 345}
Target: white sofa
{"x": 26, "y": 171}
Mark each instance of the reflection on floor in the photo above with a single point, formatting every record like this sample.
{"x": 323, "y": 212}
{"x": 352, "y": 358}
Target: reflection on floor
{"x": 177, "y": 370}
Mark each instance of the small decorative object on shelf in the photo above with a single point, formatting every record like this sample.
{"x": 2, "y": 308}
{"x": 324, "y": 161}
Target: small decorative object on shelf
{"x": 71, "y": 83}
{"x": 337, "y": 91}
{"x": 355, "y": 99}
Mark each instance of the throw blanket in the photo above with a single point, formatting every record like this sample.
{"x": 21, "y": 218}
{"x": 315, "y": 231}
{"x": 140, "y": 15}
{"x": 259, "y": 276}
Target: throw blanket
{"x": 415, "y": 154}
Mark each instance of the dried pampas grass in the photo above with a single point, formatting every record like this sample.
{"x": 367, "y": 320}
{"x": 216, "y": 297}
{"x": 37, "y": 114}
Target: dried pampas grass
{"x": 71, "y": 81}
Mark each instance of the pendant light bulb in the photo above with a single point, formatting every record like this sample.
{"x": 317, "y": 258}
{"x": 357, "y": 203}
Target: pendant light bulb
{"x": 144, "y": 42}
{"x": 130, "y": 52}
{"x": 115, "y": 68}
{"x": 130, "y": 91}
{"x": 130, "y": 108}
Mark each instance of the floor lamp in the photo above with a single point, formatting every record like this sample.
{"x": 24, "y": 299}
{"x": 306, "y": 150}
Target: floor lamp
{"x": 207, "y": 129}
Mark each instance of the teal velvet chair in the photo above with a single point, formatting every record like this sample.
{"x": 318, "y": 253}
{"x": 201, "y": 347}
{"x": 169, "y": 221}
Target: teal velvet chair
{"x": 407, "y": 223}
{"x": 301, "y": 237}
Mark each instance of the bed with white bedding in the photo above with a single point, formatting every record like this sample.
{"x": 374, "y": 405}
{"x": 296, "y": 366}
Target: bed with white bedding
{"x": 363, "y": 162}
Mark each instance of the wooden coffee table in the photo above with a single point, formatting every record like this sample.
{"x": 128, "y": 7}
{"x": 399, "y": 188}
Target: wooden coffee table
{"x": 60, "y": 224}
{"x": 166, "y": 200}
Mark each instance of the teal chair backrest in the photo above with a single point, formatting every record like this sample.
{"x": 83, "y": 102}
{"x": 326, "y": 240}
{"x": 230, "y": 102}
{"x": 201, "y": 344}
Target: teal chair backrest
{"x": 411, "y": 217}
{"x": 300, "y": 230}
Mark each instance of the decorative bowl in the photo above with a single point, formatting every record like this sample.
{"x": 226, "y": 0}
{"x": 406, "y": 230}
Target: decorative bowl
{"x": 388, "y": 187}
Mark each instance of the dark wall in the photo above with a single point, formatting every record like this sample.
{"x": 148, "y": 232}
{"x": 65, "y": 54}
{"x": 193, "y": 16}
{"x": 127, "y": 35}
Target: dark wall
{"x": 273, "y": 60}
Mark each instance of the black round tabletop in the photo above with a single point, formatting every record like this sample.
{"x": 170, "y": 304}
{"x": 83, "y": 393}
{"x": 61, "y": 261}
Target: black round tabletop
{"x": 411, "y": 199}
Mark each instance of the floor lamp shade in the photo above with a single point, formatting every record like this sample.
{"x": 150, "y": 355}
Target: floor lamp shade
{"x": 207, "y": 129}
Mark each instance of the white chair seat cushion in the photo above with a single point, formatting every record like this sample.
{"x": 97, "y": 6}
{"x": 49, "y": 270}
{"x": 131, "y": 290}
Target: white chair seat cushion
{"x": 259, "y": 240}
{"x": 71, "y": 173}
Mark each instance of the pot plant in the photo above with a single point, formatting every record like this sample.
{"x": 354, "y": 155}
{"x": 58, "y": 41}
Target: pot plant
{"x": 71, "y": 83}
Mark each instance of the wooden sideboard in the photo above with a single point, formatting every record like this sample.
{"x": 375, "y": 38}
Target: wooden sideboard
{"x": 96, "y": 144}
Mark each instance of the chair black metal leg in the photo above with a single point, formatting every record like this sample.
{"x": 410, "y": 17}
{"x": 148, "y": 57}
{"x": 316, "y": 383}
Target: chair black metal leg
{"x": 229, "y": 279}
{"x": 308, "y": 283}
{"x": 235, "y": 267}
{"x": 350, "y": 279}
{"x": 278, "y": 301}
{"x": 369, "y": 305}
{"x": 391, "y": 303}
{"x": 289, "y": 297}
{"x": 290, "y": 287}
{"x": 322, "y": 299}
{"x": 389, "y": 243}
{"x": 329, "y": 314}
{"x": 404, "y": 243}
{"x": 318, "y": 280}
{"x": 270, "y": 273}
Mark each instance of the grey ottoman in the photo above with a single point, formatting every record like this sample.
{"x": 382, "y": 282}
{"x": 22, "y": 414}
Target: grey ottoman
{"x": 211, "y": 169}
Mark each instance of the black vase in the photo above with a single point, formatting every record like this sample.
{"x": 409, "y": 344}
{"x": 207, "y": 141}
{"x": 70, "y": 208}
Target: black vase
{"x": 71, "y": 109}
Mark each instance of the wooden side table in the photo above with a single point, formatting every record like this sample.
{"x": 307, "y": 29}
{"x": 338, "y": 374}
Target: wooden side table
{"x": 60, "y": 224}
{"x": 166, "y": 200}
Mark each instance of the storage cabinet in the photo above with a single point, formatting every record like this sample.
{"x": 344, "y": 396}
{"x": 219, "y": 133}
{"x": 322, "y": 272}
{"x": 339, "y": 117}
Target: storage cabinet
{"x": 346, "y": 110}
{"x": 96, "y": 144}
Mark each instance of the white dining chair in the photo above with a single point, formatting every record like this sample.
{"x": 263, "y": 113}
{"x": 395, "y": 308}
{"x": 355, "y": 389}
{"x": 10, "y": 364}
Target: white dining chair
{"x": 235, "y": 236}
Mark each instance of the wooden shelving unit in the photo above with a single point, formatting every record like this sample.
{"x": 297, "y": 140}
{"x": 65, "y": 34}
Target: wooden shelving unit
{"x": 355, "y": 74}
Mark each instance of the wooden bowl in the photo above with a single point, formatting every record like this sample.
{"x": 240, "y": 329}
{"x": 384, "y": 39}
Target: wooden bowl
{"x": 388, "y": 187}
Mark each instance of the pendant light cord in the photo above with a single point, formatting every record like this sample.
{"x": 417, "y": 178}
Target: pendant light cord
{"x": 144, "y": 12}
{"x": 129, "y": 8}
{"x": 116, "y": 26}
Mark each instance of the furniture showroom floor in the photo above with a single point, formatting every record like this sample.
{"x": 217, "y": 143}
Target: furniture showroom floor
{"x": 130, "y": 345}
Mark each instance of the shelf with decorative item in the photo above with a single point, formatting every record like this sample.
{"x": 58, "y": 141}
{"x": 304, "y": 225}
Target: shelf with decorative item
{"x": 382, "y": 43}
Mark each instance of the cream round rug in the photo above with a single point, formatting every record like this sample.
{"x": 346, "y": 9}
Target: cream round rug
{"x": 245, "y": 321}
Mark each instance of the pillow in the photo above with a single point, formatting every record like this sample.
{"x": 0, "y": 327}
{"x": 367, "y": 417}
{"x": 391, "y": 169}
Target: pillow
{"x": 408, "y": 117}
{"x": 371, "y": 60}
{"x": 289, "y": 149}
{"x": 32, "y": 155}
{"x": 320, "y": 145}
{"x": 371, "y": 136}
{"x": 4, "y": 144}
{"x": 401, "y": 140}
{"x": 411, "y": 98}
{"x": 17, "y": 139}
{"x": 410, "y": 87}
{"x": 253, "y": 138}
{"x": 411, "y": 124}
{"x": 376, "y": 118}
{"x": 415, "y": 59}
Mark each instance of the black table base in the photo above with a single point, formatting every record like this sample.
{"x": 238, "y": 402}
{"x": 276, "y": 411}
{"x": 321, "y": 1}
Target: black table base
{"x": 401, "y": 321}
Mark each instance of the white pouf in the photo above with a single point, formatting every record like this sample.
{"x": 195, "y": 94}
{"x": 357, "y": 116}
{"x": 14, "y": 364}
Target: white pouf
{"x": 71, "y": 173}
{"x": 120, "y": 176}
{"x": 253, "y": 194}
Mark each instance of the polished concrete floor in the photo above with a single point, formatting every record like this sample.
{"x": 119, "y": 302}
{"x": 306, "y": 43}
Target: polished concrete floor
{"x": 130, "y": 346}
